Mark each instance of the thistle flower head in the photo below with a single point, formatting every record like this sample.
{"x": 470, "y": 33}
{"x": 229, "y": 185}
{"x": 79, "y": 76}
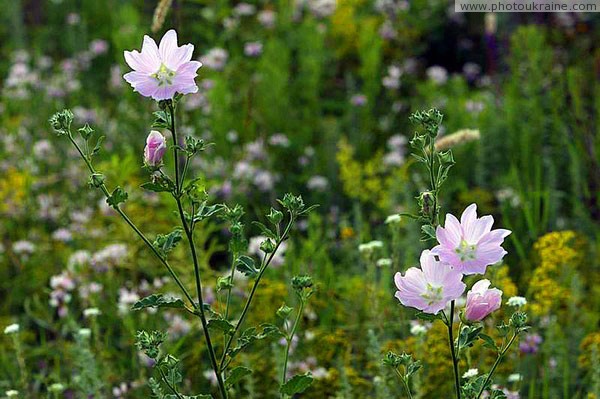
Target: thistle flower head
{"x": 164, "y": 70}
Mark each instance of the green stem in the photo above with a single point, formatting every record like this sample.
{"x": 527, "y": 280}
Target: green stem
{"x": 453, "y": 351}
{"x": 496, "y": 363}
{"x": 291, "y": 339}
{"x": 404, "y": 382}
{"x": 190, "y": 238}
{"x": 434, "y": 188}
{"x": 184, "y": 173}
{"x": 231, "y": 276}
{"x": 172, "y": 388}
{"x": 253, "y": 291}
{"x": 134, "y": 227}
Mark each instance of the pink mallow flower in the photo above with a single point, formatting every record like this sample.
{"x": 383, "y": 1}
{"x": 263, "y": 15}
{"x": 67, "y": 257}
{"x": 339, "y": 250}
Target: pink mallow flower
{"x": 156, "y": 145}
{"x": 481, "y": 300}
{"x": 470, "y": 245}
{"x": 160, "y": 72}
{"x": 430, "y": 288}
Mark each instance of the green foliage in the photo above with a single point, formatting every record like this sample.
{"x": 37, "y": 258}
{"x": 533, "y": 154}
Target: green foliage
{"x": 150, "y": 343}
{"x": 296, "y": 384}
{"x": 534, "y": 168}
{"x": 166, "y": 243}
{"x": 245, "y": 265}
{"x": 158, "y": 301}
{"x": 236, "y": 374}
{"x": 117, "y": 197}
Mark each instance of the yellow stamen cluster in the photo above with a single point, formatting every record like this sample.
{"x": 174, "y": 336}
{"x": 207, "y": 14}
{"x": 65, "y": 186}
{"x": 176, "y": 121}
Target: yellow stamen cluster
{"x": 164, "y": 75}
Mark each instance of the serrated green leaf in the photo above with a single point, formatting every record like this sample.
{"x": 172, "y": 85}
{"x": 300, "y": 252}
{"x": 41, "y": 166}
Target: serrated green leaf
{"x": 85, "y": 131}
{"x": 498, "y": 394}
{"x": 206, "y": 211}
{"x": 488, "y": 341}
{"x": 245, "y": 265}
{"x": 236, "y": 375}
{"x": 166, "y": 243}
{"x": 503, "y": 329}
{"x": 468, "y": 335}
{"x": 428, "y": 230}
{"x": 408, "y": 215}
{"x": 98, "y": 145}
{"x": 117, "y": 197}
{"x": 428, "y": 316}
{"x": 223, "y": 283}
{"x": 419, "y": 158}
{"x": 270, "y": 330}
{"x": 162, "y": 120}
{"x": 158, "y": 301}
{"x": 155, "y": 187}
{"x": 250, "y": 335}
{"x": 155, "y": 388}
{"x": 265, "y": 230}
{"x": 309, "y": 209}
{"x": 413, "y": 367}
{"x": 297, "y": 384}
{"x": 221, "y": 324}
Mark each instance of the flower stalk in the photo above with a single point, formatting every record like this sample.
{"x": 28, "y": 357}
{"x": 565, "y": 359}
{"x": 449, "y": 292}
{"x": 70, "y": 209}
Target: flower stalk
{"x": 130, "y": 223}
{"x": 266, "y": 261}
{"x": 453, "y": 349}
{"x": 190, "y": 238}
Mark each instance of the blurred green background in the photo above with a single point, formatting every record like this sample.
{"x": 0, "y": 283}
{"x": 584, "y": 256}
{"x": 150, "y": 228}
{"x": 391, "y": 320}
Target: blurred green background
{"x": 310, "y": 97}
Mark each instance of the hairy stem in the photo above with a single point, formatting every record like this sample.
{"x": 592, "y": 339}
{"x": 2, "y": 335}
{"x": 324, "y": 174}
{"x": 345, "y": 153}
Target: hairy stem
{"x": 496, "y": 363}
{"x": 231, "y": 275}
{"x": 434, "y": 188}
{"x": 453, "y": 351}
{"x": 172, "y": 388}
{"x": 291, "y": 339}
{"x": 190, "y": 238}
{"x": 253, "y": 291}
{"x": 405, "y": 383}
{"x": 135, "y": 228}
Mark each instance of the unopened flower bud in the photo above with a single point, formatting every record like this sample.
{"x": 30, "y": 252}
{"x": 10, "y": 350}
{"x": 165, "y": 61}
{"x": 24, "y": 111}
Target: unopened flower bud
{"x": 97, "y": 180}
{"x": 156, "y": 145}
{"x": 518, "y": 320}
{"x": 275, "y": 216}
{"x": 267, "y": 246}
{"x": 61, "y": 121}
{"x": 481, "y": 301}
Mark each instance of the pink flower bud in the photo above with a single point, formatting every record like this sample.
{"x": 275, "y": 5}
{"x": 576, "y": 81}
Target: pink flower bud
{"x": 481, "y": 300}
{"x": 156, "y": 145}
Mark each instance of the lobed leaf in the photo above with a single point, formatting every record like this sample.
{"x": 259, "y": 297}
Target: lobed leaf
{"x": 236, "y": 375}
{"x": 117, "y": 197}
{"x": 245, "y": 265}
{"x": 297, "y": 384}
{"x": 158, "y": 301}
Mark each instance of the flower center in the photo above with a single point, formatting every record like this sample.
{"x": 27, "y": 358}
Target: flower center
{"x": 164, "y": 75}
{"x": 466, "y": 251}
{"x": 433, "y": 294}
